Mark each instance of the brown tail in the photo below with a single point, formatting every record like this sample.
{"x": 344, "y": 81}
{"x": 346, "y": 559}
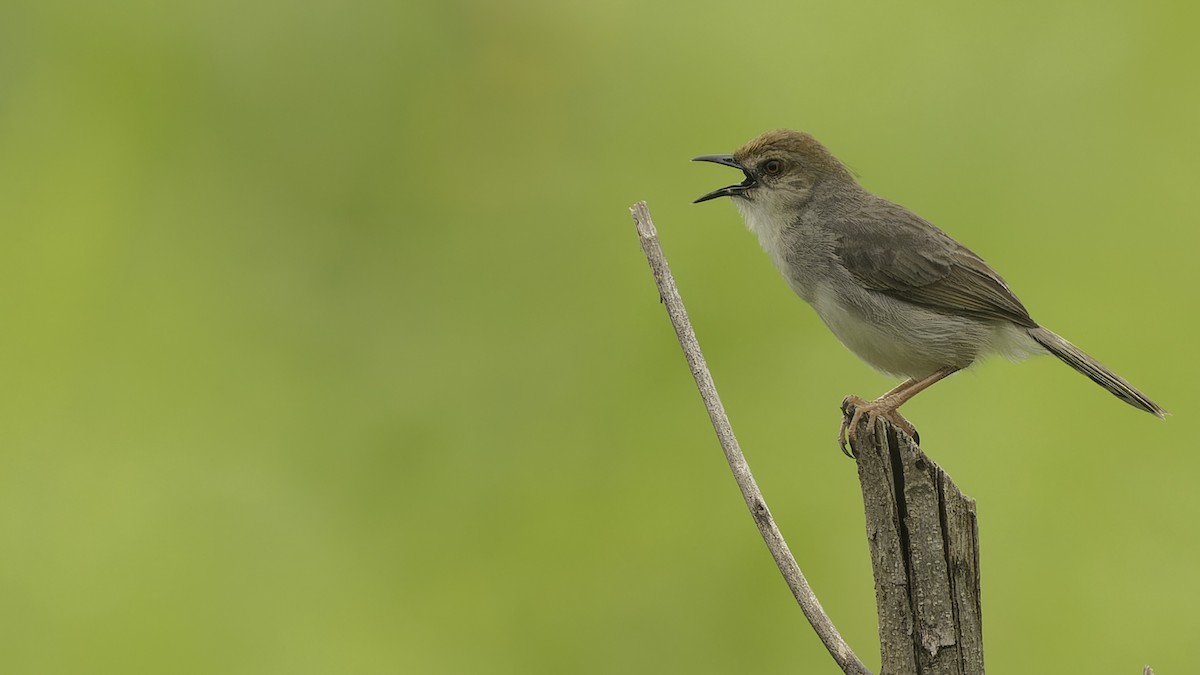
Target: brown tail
{"x": 1074, "y": 357}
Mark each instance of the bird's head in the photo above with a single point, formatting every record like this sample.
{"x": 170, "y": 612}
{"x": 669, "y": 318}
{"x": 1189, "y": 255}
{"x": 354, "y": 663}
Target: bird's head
{"x": 782, "y": 168}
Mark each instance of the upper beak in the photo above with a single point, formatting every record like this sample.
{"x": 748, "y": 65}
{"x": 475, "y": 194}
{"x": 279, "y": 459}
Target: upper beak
{"x": 731, "y": 190}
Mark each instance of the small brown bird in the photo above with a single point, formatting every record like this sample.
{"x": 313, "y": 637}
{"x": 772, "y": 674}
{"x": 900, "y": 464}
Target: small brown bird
{"x": 896, "y": 290}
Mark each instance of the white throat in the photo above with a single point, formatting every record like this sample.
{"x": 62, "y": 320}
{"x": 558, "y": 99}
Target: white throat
{"x": 768, "y": 222}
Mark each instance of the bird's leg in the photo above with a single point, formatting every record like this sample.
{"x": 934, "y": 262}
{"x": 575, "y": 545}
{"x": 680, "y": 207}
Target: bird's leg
{"x": 895, "y": 391}
{"x": 863, "y": 404}
{"x": 886, "y": 406}
{"x": 860, "y": 404}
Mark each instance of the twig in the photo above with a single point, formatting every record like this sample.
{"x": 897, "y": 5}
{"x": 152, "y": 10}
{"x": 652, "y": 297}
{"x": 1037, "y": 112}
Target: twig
{"x": 811, "y": 607}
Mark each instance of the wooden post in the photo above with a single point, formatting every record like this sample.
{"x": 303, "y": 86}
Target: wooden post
{"x": 924, "y": 542}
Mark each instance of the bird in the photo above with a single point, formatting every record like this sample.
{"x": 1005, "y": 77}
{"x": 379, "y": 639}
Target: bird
{"x": 897, "y": 291}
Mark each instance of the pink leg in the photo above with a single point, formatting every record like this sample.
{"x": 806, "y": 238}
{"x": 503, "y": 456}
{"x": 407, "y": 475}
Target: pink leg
{"x": 886, "y": 406}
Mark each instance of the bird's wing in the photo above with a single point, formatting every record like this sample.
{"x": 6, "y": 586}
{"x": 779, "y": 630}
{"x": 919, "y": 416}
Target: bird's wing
{"x": 893, "y": 251}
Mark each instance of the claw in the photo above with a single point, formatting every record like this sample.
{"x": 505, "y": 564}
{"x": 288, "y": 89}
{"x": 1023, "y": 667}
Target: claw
{"x": 842, "y": 441}
{"x": 848, "y": 433}
{"x": 849, "y": 430}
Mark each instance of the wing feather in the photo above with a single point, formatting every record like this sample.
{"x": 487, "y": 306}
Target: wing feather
{"x": 893, "y": 251}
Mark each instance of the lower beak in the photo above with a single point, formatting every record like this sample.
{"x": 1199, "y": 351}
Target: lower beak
{"x": 731, "y": 190}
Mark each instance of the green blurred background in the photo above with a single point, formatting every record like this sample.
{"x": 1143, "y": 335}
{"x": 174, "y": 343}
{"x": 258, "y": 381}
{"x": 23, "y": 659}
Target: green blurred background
{"x": 328, "y": 346}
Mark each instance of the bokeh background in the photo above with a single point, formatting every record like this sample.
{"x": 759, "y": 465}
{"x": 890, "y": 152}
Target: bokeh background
{"x": 328, "y": 346}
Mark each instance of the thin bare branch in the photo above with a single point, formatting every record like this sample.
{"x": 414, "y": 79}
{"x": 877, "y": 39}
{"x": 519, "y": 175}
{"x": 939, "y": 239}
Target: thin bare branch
{"x": 821, "y": 623}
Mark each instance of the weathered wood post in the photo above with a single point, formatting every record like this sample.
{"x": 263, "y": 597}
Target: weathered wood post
{"x": 924, "y": 543}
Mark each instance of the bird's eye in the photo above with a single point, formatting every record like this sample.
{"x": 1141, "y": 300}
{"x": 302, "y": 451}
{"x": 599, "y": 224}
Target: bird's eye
{"x": 773, "y": 166}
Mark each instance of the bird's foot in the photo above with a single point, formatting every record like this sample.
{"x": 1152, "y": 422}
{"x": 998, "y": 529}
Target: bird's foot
{"x": 880, "y": 407}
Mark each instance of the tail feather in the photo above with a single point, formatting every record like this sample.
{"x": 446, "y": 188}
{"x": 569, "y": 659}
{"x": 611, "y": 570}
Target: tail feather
{"x": 1074, "y": 357}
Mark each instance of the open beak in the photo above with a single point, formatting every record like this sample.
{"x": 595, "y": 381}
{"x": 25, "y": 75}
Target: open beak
{"x": 731, "y": 190}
